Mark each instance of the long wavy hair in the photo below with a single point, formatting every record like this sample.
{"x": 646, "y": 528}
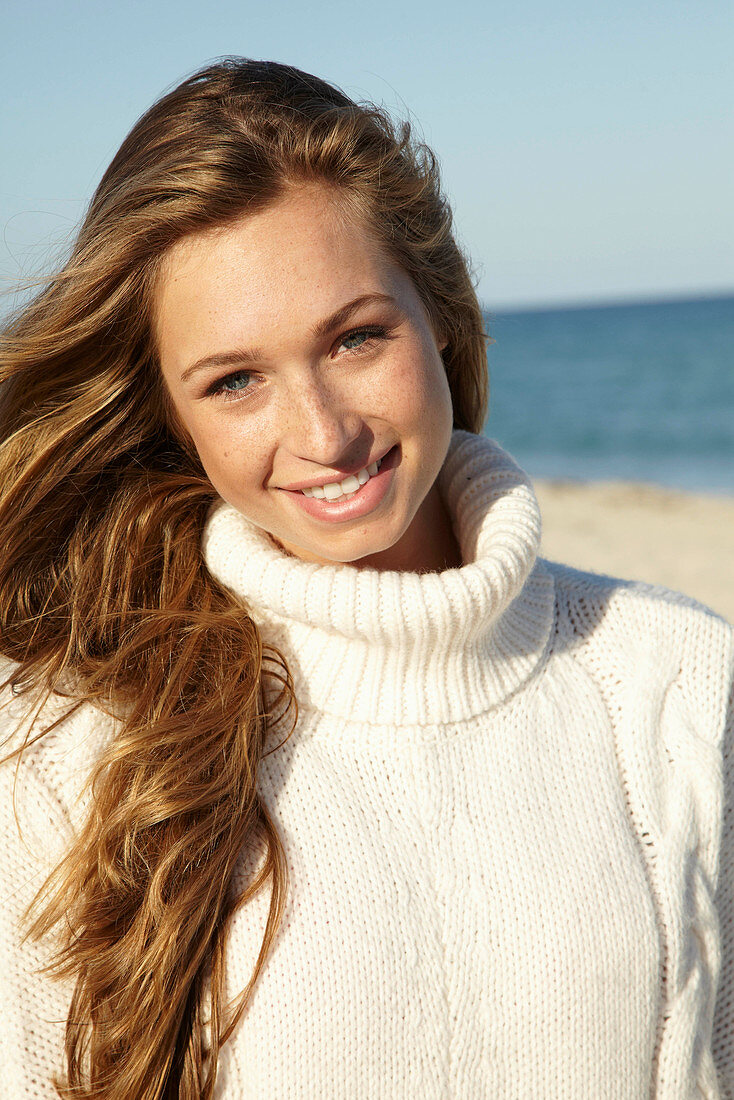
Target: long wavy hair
{"x": 104, "y": 597}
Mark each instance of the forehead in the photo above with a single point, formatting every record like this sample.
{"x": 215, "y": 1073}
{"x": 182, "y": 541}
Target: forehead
{"x": 303, "y": 255}
{"x": 285, "y": 238}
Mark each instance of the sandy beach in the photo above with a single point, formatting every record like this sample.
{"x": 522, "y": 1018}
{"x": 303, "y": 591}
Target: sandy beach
{"x": 682, "y": 540}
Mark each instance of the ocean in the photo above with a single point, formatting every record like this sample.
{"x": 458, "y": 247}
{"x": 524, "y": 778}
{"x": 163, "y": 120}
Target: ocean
{"x": 641, "y": 392}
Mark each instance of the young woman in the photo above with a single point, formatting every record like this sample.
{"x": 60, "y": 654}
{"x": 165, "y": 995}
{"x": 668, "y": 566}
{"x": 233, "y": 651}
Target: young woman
{"x": 342, "y": 791}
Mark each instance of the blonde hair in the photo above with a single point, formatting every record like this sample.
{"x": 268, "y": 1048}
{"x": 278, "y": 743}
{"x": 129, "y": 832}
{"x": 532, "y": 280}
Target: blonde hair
{"x": 103, "y": 592}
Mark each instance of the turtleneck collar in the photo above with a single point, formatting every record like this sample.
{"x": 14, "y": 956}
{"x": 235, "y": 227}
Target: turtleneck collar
{"x": 382, "y": 647}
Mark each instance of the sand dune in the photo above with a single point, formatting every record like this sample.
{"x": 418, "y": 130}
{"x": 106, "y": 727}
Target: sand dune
{"x": 682, "y": 540}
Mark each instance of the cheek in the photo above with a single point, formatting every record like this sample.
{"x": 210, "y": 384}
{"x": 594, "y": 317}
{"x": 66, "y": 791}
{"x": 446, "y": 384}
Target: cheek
{"x": 423, "y": 396}
{"x": 233, "y": 458}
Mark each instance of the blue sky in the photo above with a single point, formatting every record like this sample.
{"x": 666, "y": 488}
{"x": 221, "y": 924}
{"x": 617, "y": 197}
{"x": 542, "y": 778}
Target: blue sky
{"x": 587, "y": 148}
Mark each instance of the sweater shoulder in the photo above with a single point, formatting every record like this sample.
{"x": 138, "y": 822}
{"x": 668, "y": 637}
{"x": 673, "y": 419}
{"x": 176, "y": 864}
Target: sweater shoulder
{"x": 653, "y": 608}
{"x": 632, "y": 632}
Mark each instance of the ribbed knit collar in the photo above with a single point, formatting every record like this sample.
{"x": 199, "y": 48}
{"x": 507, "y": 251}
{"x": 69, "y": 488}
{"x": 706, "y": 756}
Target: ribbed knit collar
{"x": 384, "y": 647}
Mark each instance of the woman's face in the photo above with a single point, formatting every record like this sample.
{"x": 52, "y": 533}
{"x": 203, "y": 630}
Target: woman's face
{"x": 298, "y": 356}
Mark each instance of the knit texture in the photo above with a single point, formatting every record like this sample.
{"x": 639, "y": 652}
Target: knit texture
{"x": 507, "y": 810}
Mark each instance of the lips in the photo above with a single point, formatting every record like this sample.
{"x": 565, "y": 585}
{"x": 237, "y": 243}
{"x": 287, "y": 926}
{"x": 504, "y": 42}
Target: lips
{"x": 300, "y": 486}
{"x": 335, "y": 490}
{"x": 356, "y": 504}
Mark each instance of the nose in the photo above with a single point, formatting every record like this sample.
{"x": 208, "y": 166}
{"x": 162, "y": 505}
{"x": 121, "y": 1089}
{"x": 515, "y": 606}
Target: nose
{"x": 323, "y": 425}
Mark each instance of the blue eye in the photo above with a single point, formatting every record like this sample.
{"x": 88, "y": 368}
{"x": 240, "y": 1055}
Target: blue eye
{"x": 359, "y": 337}
{"x": 233, "y": 386}
{"x": 239, "y": 380}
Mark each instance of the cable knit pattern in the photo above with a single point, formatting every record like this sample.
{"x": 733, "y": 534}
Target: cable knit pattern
{"x": 502, "y": 813}
{"x": 667, "y": 706}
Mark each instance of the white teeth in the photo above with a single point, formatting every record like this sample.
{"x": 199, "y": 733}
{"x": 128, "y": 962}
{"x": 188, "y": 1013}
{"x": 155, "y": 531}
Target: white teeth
{"x": 350, "y": 484}
{"x": 346, "y": 488}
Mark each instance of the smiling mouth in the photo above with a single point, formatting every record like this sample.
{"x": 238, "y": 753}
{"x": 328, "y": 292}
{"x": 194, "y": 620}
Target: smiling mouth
{"x": 354, "y": 503}
{"x": 343, "y": 490}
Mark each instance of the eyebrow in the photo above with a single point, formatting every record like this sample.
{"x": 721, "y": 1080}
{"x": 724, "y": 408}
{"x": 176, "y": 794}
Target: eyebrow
{"x": 240, "y": 356}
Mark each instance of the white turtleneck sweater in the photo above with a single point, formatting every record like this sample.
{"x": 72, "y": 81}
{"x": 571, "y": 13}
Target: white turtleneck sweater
{"x": 511, "y": 852}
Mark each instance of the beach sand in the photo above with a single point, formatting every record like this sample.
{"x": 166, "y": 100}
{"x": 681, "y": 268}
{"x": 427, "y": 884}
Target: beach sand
{"x": 684, "y": 541}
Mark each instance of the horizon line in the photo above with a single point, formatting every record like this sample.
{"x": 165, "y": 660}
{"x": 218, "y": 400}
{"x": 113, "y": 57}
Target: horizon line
{"x": 642, "y": 299}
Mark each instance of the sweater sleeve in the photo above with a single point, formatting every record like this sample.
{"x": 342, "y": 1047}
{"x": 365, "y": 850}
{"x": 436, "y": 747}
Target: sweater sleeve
{"x": 34, "y": 830}
{"x": 723, "y": 1030}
